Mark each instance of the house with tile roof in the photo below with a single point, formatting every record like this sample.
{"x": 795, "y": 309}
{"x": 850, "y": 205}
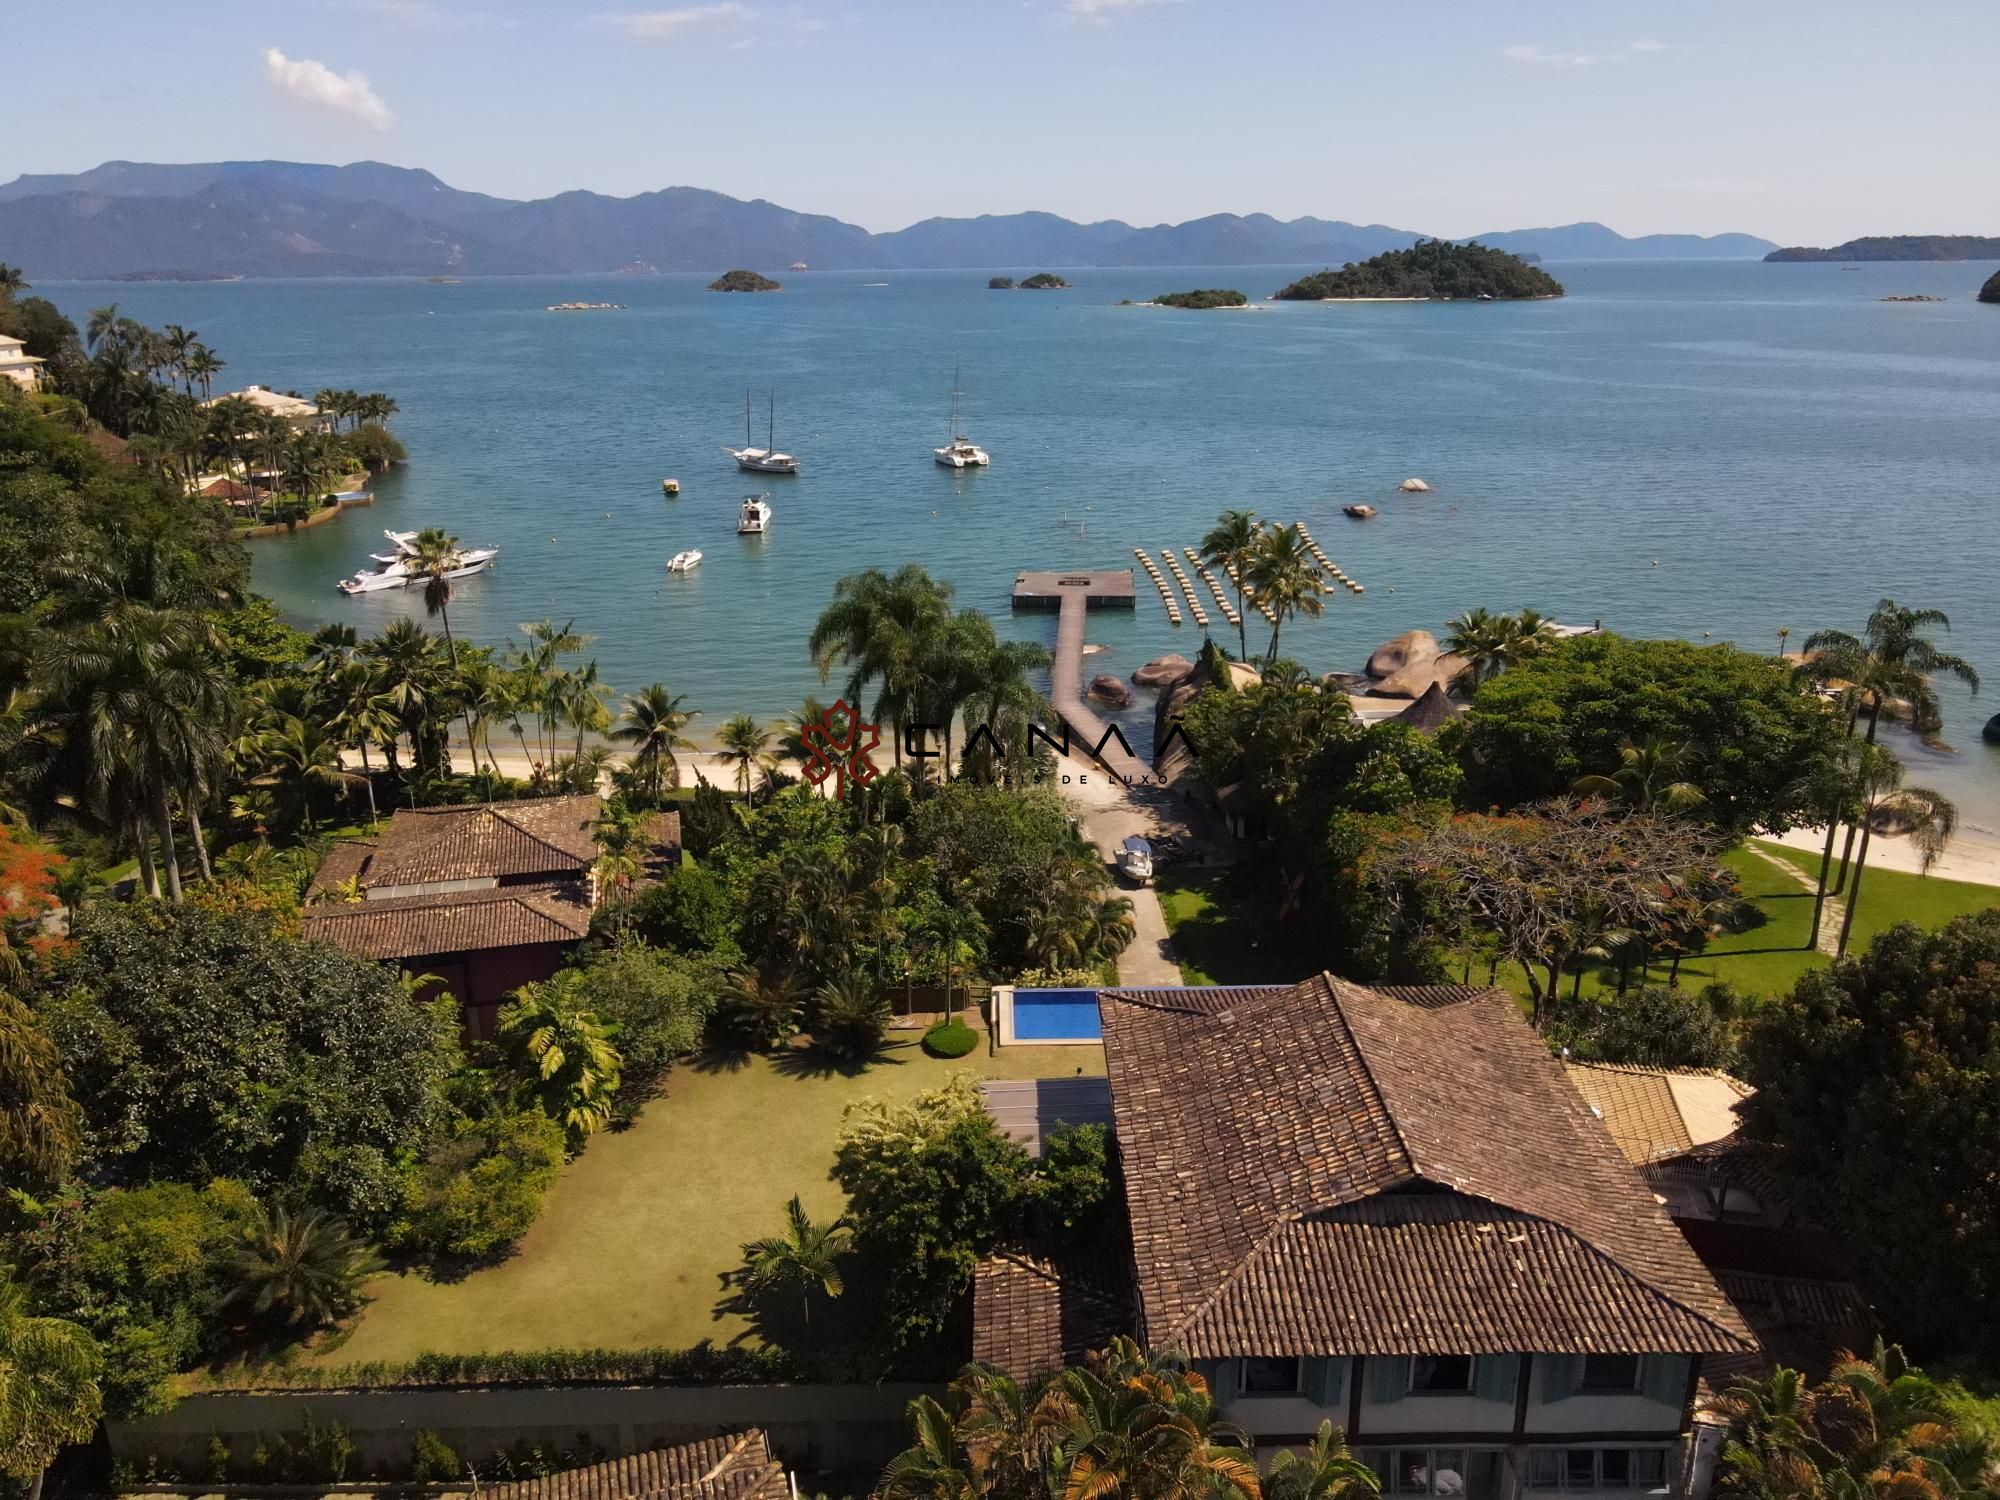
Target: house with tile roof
{"x": 18, "y": 365}
{"x": 734, "y": 1466}
{"x": 484, "y": 898}
{"x": 1386, "y": 1207}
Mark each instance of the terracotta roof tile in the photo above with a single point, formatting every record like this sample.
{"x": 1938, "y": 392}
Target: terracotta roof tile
{"x": 455, "y": 922}
{"x": 541, "y": 836}
{"x": 1656, "y": 1113}
{"x": 1034, "y": 1314}
{"x": 737, "y": 1466}
{"x": 1246, "y": 1118}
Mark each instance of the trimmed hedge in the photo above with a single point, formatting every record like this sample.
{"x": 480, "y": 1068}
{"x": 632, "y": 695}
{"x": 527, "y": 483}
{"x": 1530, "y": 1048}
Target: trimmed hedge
{"x": 951, "y": 1038}
{"x": 703, "y": 1364}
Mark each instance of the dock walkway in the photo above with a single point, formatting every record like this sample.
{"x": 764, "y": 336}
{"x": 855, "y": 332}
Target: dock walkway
{"x": 1075, "y": 595}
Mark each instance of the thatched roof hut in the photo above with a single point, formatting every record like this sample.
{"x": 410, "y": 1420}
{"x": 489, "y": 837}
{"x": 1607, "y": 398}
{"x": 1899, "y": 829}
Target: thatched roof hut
{"x": 1429, "y": 712}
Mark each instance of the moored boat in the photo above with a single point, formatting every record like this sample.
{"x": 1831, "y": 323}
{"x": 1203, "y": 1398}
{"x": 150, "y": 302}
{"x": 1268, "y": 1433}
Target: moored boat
{"x": 755, "y": 517}
{"x": 959, "y": 451}
{"x": 767, "y": 459}
{"x": 684, "y": 562}
{"x": 394, "y": 570}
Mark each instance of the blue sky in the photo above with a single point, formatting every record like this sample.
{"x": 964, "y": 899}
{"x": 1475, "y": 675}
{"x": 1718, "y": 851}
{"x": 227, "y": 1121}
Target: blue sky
{"x": 1803, "y": 122}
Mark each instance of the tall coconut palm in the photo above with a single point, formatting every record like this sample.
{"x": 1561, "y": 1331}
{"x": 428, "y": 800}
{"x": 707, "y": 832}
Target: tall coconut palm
{"x": 804, "y": 1259}
{"x": 203, "y": 366}
{"x": 1931, "y": 818}
{"x": 1893, "y": 658}
{"x": 879, "y": 627}
{"x": 1286, "y": 579}
{"x": 417, "y": 683}
{"x": 566, "y": 1058}
{"x": 12, "y": 282}
{"x": 747, "y": 745}
{"x": 180, "y": 344}
{"x": 651, "y": 726}
{"x": 1651, "y": 775}
{"x": 104, "y": 326}
{"x": 1231, "y": 545}
{"x": 301, "y": 758}
{"x": 1481, "y": 639}
{"x": 304, "y": 1270}
{"x": 49, "y": 1392}
{"x": 434, "y": 553}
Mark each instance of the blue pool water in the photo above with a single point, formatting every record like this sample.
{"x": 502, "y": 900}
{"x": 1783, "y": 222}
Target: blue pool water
{"x": 1056, "y": 1016}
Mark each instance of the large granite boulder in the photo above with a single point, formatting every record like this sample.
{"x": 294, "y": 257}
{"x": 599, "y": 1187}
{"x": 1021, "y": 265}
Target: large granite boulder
{"x": 1411, "y": 648}
{"x": 1110, "y": 690}
{"x": 1420, "y": 676}
{"x": 1176, "y": 758}
{"x": 1991, "y": 291}
{"x": 1414, "y": 487}
{"x": 1163, "y": 671}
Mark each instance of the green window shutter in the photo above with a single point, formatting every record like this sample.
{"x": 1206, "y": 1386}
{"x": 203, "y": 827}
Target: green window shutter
{"x": 1388, "y": 1378}
{"x": 1325, "y": 1380}
{"x": 1224, "y": 1385}
{"x": 1493, "y": 1376}
{"x": 1562, "y": 1375}
{"x": 1664, "y": 1378}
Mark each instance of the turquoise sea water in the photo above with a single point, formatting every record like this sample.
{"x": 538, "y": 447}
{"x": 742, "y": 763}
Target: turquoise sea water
{"x": 1712, "y": 450}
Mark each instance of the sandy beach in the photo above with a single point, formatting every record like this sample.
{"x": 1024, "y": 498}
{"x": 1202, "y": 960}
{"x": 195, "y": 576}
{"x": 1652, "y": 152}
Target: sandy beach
{"x": 1974, "y": 853}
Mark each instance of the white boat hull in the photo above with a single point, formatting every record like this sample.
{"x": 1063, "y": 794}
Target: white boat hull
{"x": 683, "y": 562}
{"x": 397, "y": 573}
{"x": 758, "y": 461}
{"x": 967, "y": 457}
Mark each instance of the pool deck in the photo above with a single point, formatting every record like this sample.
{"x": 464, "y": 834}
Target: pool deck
{"x": 1003, "y": 1024}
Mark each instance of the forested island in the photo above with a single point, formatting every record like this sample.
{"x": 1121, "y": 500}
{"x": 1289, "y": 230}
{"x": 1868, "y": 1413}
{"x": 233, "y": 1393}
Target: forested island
{"x": 743, "y": 281}
{"x": 1991, "y": 291}
{"x": 1429, "y": 268}
{"x": 1043, "y": 281}
{"x": 1898, "y": 247}
{"x": 1208, "y": 297}
{"x": 1000, "y": 284}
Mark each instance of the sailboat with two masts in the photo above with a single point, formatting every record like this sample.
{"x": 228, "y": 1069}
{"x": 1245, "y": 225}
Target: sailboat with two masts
{"x": 959, "y": 451}
{"x": 767, "y": 459}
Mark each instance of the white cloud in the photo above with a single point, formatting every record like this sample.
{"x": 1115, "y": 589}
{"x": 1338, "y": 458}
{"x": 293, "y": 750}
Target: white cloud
{"x": 315, "y": 83}
{"x": 1100, "y": 12}
{"x": 1543, "y": 58}
{"x": 674, "y": 25}
{"x": 1648, "y": 44}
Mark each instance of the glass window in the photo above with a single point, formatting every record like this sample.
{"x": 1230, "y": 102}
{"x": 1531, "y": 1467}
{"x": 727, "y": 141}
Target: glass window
{"x": 1413, "y": 1471}
{"x": 1270, "y": 1377}
{"x": 1377, "y": 1460}
{"x": 1448, "y": 1471}
{"x": 1610, "y": 1372}
{"x": 1615, "y": 1467}
{"x": 1579, "y": 1468}
{"x": 1649, "y": 1468}
{"x": 1440, "y": 1374}
{"x": 1544, "y": 1468}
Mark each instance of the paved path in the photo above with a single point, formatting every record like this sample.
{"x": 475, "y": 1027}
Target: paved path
{"x": 1111, "y": 814}
{"x": 1830, "y": 918}
{"x": 1066, "y": 693}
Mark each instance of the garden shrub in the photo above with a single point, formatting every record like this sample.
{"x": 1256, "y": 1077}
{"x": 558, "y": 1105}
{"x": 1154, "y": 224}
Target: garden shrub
{"x": 484, "y": 1187}
{"x": 432, "y": 1459}
{"x": 851, "y": 1017}
{"x": 951, "y": 1038}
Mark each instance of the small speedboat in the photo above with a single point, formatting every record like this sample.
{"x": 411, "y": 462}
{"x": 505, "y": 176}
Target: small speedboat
{"x": 684, "y": 562}
{"x": 1359, "y": 512}
{"x": 670, "y": 486}
{"x": 756, "y": 516}
{"x": 1135, "y": 860}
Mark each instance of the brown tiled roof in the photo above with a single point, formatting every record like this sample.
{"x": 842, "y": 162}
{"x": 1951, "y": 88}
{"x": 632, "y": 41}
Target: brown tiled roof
{"x": 542, "y": 836}
{"x": 737, "y": 1466}
{"x": 1801, "y": 1323}
{"x": 345, "y": 861}
{"x": 1255, "y": 1126}
{"x": 1656, "y": 1113}
{"x": 454, "y": 922}
{"x": 1034, "y": 1314}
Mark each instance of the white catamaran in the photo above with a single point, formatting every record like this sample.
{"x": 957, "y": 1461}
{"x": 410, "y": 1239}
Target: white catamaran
{"x": 392, "y": 570}
{"x": 767, "y": 459}
{"x": 959, "y": 451}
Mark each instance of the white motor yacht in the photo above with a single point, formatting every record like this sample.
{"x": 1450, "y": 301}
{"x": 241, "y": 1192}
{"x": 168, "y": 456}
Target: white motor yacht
{"x": 684, "y": 562}
{"x": 393, "y": 570}
{"x": 756, "y": 516}
{"x": 959, "y": 451}
{"x": 767, "y": 459}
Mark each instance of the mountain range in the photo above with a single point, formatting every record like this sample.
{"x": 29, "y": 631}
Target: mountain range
{"x": 274, "y": 218}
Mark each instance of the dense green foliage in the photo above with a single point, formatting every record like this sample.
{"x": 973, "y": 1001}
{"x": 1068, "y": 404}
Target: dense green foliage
{"x": 1000, "y": 284}
{"x": 207, "y": 1045}
{"x": 1042, "y": 281}
{"x": 1209, "y": 297}
{"x": 1429, "y": 268}
{"x": 1652, "y": 1026}
{"x": 1898, "y": 247}
{"x": 743, "y": 281}
{"x": 1752, "y": 736}
{"x": 655, "y": 1002}
{"x": 482, "y": 1187}
{"x": 1877, "y": 1066}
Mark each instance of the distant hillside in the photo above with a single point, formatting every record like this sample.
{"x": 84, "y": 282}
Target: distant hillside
{"x": 1596, "y": 242}
{"x": 275, "y": 218}
{"x": 1899, "y": 247}
{"x": 1430, "y": 268}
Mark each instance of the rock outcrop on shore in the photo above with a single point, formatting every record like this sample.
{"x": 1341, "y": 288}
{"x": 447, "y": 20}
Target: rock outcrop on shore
{"x": 1163, "y": 671}
{"x": 1410, "y": 665}
{"x": 1112, "y": 690}
{"x": 1991, "y": 291}
{"x": 1411, "y": 648}
{"x": 1171, "y": 761}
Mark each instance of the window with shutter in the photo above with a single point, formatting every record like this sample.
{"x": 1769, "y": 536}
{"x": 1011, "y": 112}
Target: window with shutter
{"x": 1388, "y": 1378}
{"x": 1664, "y": 1378}
{"x": 1493, "y": 1376}
{"x": 1326, "y": 1381}
{"x": 1561, "y": 1375}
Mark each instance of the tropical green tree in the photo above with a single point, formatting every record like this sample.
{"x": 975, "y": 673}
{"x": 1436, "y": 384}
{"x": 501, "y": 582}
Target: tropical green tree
{"x": 49, "y": 1396}
{"x": 40, "y": 1125}
{"x": 303, "y": 1270}
{"x": 299, "y": 759}
{"x": 12, "y": 282}
{"x": 851, "y": 1016}
{"x": 1231, "y": 545}
{"x": 1285, "y": 579}
{"x": 746, "y": 744}
{"x": 1652, "y": 774}
{"x": 762, "y": 1004}
{"x": 435, "y": 554}
{"x": 879, "y": 627}
{"x": 652, "y": 727}
{"x": 1930, "y": 817}
{"x": 801, "y": 1261}
{"x": 1324, "y": 1470}
{"x": 1893, "y": 658}
{"x": 566, "y": 1058}
{"x": 932, "y": 1467}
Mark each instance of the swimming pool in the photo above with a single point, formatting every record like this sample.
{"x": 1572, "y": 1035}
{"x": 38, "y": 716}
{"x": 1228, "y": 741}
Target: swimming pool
{"x": 1056, "y": 1016}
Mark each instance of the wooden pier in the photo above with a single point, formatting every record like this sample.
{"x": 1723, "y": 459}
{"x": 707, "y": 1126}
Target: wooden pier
{"x": 1075, "y": 595}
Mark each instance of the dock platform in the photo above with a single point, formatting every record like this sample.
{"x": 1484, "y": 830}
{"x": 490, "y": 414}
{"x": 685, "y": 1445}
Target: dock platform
{"x": 1111, "y": 589}
{"x": 1074, "y": 595}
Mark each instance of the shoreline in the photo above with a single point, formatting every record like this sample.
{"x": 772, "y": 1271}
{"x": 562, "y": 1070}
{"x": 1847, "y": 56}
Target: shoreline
{"x": 1973, "y": 856}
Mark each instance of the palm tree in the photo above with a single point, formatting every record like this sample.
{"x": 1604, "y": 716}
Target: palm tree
{"x": 300, "y": 758}
{"x": 1286, "y": 579}
{"x": 1893, "y": 659}
{"x": 1479, "y": 638}
{"x": 180, "y": 344}
{"x": 1231, "y": 545}
{"x": 930, "y": 1468}
{"x": 204, "y": 366}
{"x": 652, "y": 725}
{"x": 1140, "y": 1426}
{"x": 571, "y": 1067}
{"x": 762, "y": 1004}
{"x": 1651, "y": 775}
{"x": 417, "y": 685}
{"x": 1326, "y": 1470}
{"x": 49, "y": 1393}
{"x": 40, "y": 1125}
{"x": 804, "y": 1259}
{"x": 620, "y": 835}
{"x": 12, "y": 282}
{"x": 306, "y": 1269}
{"x": 747, "y": 744}
{"x": 1930, "y": 816}
{"x": 434, "y": 553}
{"x": 104, "y": 326}
{"x": 880, "y": 626}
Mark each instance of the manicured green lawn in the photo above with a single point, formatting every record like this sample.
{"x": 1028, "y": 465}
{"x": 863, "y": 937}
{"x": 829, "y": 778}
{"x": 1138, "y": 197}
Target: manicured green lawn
{"x": 1222, "y": 935}
{"x": 633, "y": 1243}
{"x": 1889, "y": 896}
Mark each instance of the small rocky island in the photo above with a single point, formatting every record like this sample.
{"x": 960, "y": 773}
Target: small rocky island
{"x": 1000, "y": 284}
{"x": 1910, "y": 297}
{"x": 1205, "y": 298}
{"x": 1991, "y": 291}
{"x": 1428, "y": 270}
{"x": 1043, "y": 281}
{"x": 743, "y": 281}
